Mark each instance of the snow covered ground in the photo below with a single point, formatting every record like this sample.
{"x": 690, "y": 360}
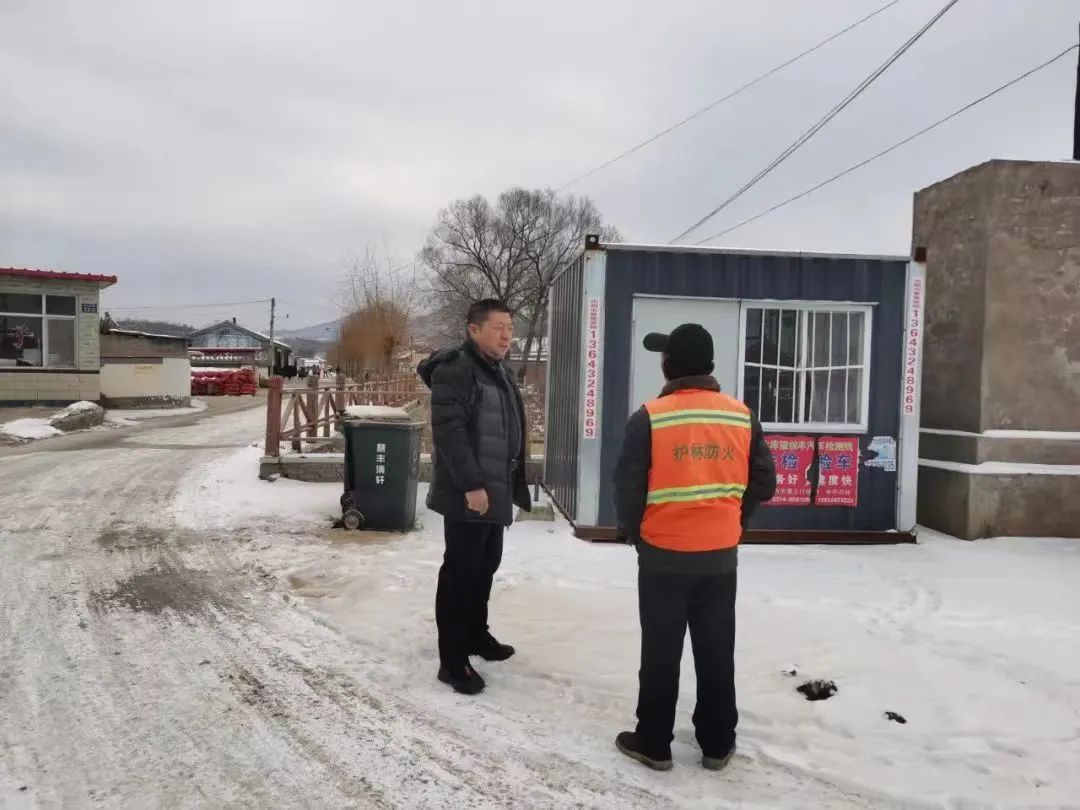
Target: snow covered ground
{"x": 27, "y": 430}
{"x": 976, "y": 645}
{"x": 175, "y": 632}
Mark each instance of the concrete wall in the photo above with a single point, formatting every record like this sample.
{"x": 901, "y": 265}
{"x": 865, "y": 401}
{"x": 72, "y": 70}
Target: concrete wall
{"x": 158, "y": 382}
{"x": 977, "y": 505}
{"x": 951, "y": 220}
{"x": 978, "y": 449}
{"x": 1003, "y": 279}
{"x": 60, "y": 386}
{"x": 141, "y": 371}
{"x": 47, "y": 388}
{"x": 1031, "y": 361}
{"x": 1002, "y": 349}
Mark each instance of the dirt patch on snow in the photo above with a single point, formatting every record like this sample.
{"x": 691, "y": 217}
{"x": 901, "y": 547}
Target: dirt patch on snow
{"x": 817, "y": 690}
{"x": 188, "y": 593}
{"x": 136, "y": 538}
{"x": 129, "y": 538}
{"x": 253, "y": 691}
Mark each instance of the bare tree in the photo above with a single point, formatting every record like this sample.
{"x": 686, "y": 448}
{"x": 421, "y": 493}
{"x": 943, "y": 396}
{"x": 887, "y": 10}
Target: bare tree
{"x": 511, "y": 251}
{"x": 380, "y": 299}
{"x": 560, "y": 240}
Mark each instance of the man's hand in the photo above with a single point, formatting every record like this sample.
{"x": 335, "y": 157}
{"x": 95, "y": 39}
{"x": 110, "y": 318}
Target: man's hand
{"x": 477, "y": 501}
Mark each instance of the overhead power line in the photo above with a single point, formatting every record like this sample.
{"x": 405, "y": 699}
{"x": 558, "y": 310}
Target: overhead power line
{"x": 823, "y": 122}
{"x": 737, "y": 91}
{"x": 895, "y": 146}
{"x": 205, "y": 306}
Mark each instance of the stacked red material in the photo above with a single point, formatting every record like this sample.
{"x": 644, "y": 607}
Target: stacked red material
{"x": 224, "y": 382}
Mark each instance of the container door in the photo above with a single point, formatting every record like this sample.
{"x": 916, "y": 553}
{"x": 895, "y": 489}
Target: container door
{"x": 721, "y": 318}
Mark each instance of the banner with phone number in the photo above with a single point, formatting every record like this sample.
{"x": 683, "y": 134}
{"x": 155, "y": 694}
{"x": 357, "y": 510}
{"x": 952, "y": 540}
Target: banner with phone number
{"x": 793, "y": 456}
{"x": 838, "y": 471}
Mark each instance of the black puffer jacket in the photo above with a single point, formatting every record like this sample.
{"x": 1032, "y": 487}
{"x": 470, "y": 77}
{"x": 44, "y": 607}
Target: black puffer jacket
{"x": 478, "y": 427}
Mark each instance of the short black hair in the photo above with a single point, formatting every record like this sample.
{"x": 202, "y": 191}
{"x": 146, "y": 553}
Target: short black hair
{"x": 481, "y": 310}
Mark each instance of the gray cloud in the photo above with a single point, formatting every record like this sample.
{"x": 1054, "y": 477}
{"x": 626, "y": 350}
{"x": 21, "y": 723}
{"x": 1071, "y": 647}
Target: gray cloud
{"x": 230, "y": 151}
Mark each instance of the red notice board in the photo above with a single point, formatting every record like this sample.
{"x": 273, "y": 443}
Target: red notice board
{"x": 793, "y": 456}
{"x": 838, "y": 471}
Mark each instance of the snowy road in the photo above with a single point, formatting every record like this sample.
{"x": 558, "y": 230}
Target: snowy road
{"x": 175, "y": 633}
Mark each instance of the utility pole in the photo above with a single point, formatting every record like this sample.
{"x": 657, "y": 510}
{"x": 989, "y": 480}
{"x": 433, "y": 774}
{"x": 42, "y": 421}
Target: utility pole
{"x": 1076, "y": 112}
{"x": 272, "y": 352}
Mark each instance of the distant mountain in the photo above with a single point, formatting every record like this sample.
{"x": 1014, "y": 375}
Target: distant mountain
{"x": 322, "y": 332}
{"x": 156, "y": 327}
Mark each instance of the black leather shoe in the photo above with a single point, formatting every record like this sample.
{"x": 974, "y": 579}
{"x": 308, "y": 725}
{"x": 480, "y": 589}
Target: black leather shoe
{"x": 659, "y": 759}
{"x": 491, "y": 650}
{"x": 464, "y": 679}
{"x": 717, "y": 763}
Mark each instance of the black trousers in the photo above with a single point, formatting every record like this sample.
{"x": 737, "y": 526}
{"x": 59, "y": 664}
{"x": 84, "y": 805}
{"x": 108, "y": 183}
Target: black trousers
{"x": 669, "y": 603}
{"x": 473, "y": 554}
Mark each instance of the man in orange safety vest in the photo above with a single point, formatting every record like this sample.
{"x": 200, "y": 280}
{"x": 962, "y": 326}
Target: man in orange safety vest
{"x": 694, "y": 466}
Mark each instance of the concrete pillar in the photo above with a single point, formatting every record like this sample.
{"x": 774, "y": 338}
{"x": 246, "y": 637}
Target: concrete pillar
{"x": 1001, "y": 370}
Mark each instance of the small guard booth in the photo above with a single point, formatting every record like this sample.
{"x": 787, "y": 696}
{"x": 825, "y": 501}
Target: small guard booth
{"x": 826, "y": 349}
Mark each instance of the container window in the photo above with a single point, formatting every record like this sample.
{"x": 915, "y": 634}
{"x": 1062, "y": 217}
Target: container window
{"x": 806, "y": 365}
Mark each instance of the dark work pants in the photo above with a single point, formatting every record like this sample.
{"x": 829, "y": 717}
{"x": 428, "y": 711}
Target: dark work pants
{"x": 669, "y": 603}
{"x": 473, "y": 554}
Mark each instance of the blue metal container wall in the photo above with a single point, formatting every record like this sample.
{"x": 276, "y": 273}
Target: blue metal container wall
{"x": 564, "y": 390}
{"x": 753, "y": 276}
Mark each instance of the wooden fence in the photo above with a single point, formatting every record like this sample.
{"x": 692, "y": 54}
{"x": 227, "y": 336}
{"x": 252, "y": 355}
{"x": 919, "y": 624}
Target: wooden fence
{"x": 307, "y": 414}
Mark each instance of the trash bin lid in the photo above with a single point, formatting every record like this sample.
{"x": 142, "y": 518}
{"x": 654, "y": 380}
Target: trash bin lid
{"x": 376, "y": 413}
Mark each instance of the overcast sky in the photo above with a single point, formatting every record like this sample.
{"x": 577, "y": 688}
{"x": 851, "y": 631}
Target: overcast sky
{"x": 211, "y": 152}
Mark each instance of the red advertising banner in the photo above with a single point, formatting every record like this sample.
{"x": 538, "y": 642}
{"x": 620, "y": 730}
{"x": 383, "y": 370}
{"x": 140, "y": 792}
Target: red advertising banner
{"x": 793, "y": 456}
{"x": 838, "y": 471}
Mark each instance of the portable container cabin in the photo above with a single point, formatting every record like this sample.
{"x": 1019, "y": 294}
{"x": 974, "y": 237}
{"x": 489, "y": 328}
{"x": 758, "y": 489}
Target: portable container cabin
{"x": 826, "y": 349}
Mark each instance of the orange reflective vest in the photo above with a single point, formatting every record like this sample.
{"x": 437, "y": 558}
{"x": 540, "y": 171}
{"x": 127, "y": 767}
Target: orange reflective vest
{"x": 700, "y": 469}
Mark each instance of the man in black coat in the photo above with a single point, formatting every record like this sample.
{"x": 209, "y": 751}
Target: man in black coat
{"x": 478, "y": 476}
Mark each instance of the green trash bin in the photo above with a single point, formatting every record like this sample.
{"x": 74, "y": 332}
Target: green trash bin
{"x": 382, "y": 468}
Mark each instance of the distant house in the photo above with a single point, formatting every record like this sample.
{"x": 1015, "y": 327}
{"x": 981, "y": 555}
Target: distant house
{"x": 143, "y": 370}
{"x": 49, "y": 345}
{"x": 230, "y": 345}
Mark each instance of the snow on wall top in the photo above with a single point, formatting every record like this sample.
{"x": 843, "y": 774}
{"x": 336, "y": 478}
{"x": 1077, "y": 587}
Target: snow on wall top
{"x": 381, "y": 412}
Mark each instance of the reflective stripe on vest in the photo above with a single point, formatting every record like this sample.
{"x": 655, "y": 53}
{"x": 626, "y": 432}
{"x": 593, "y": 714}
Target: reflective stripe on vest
{"x": 699, "y": 493}
{"x": 700, "y": 418}
{"x": 699, "y": 472}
